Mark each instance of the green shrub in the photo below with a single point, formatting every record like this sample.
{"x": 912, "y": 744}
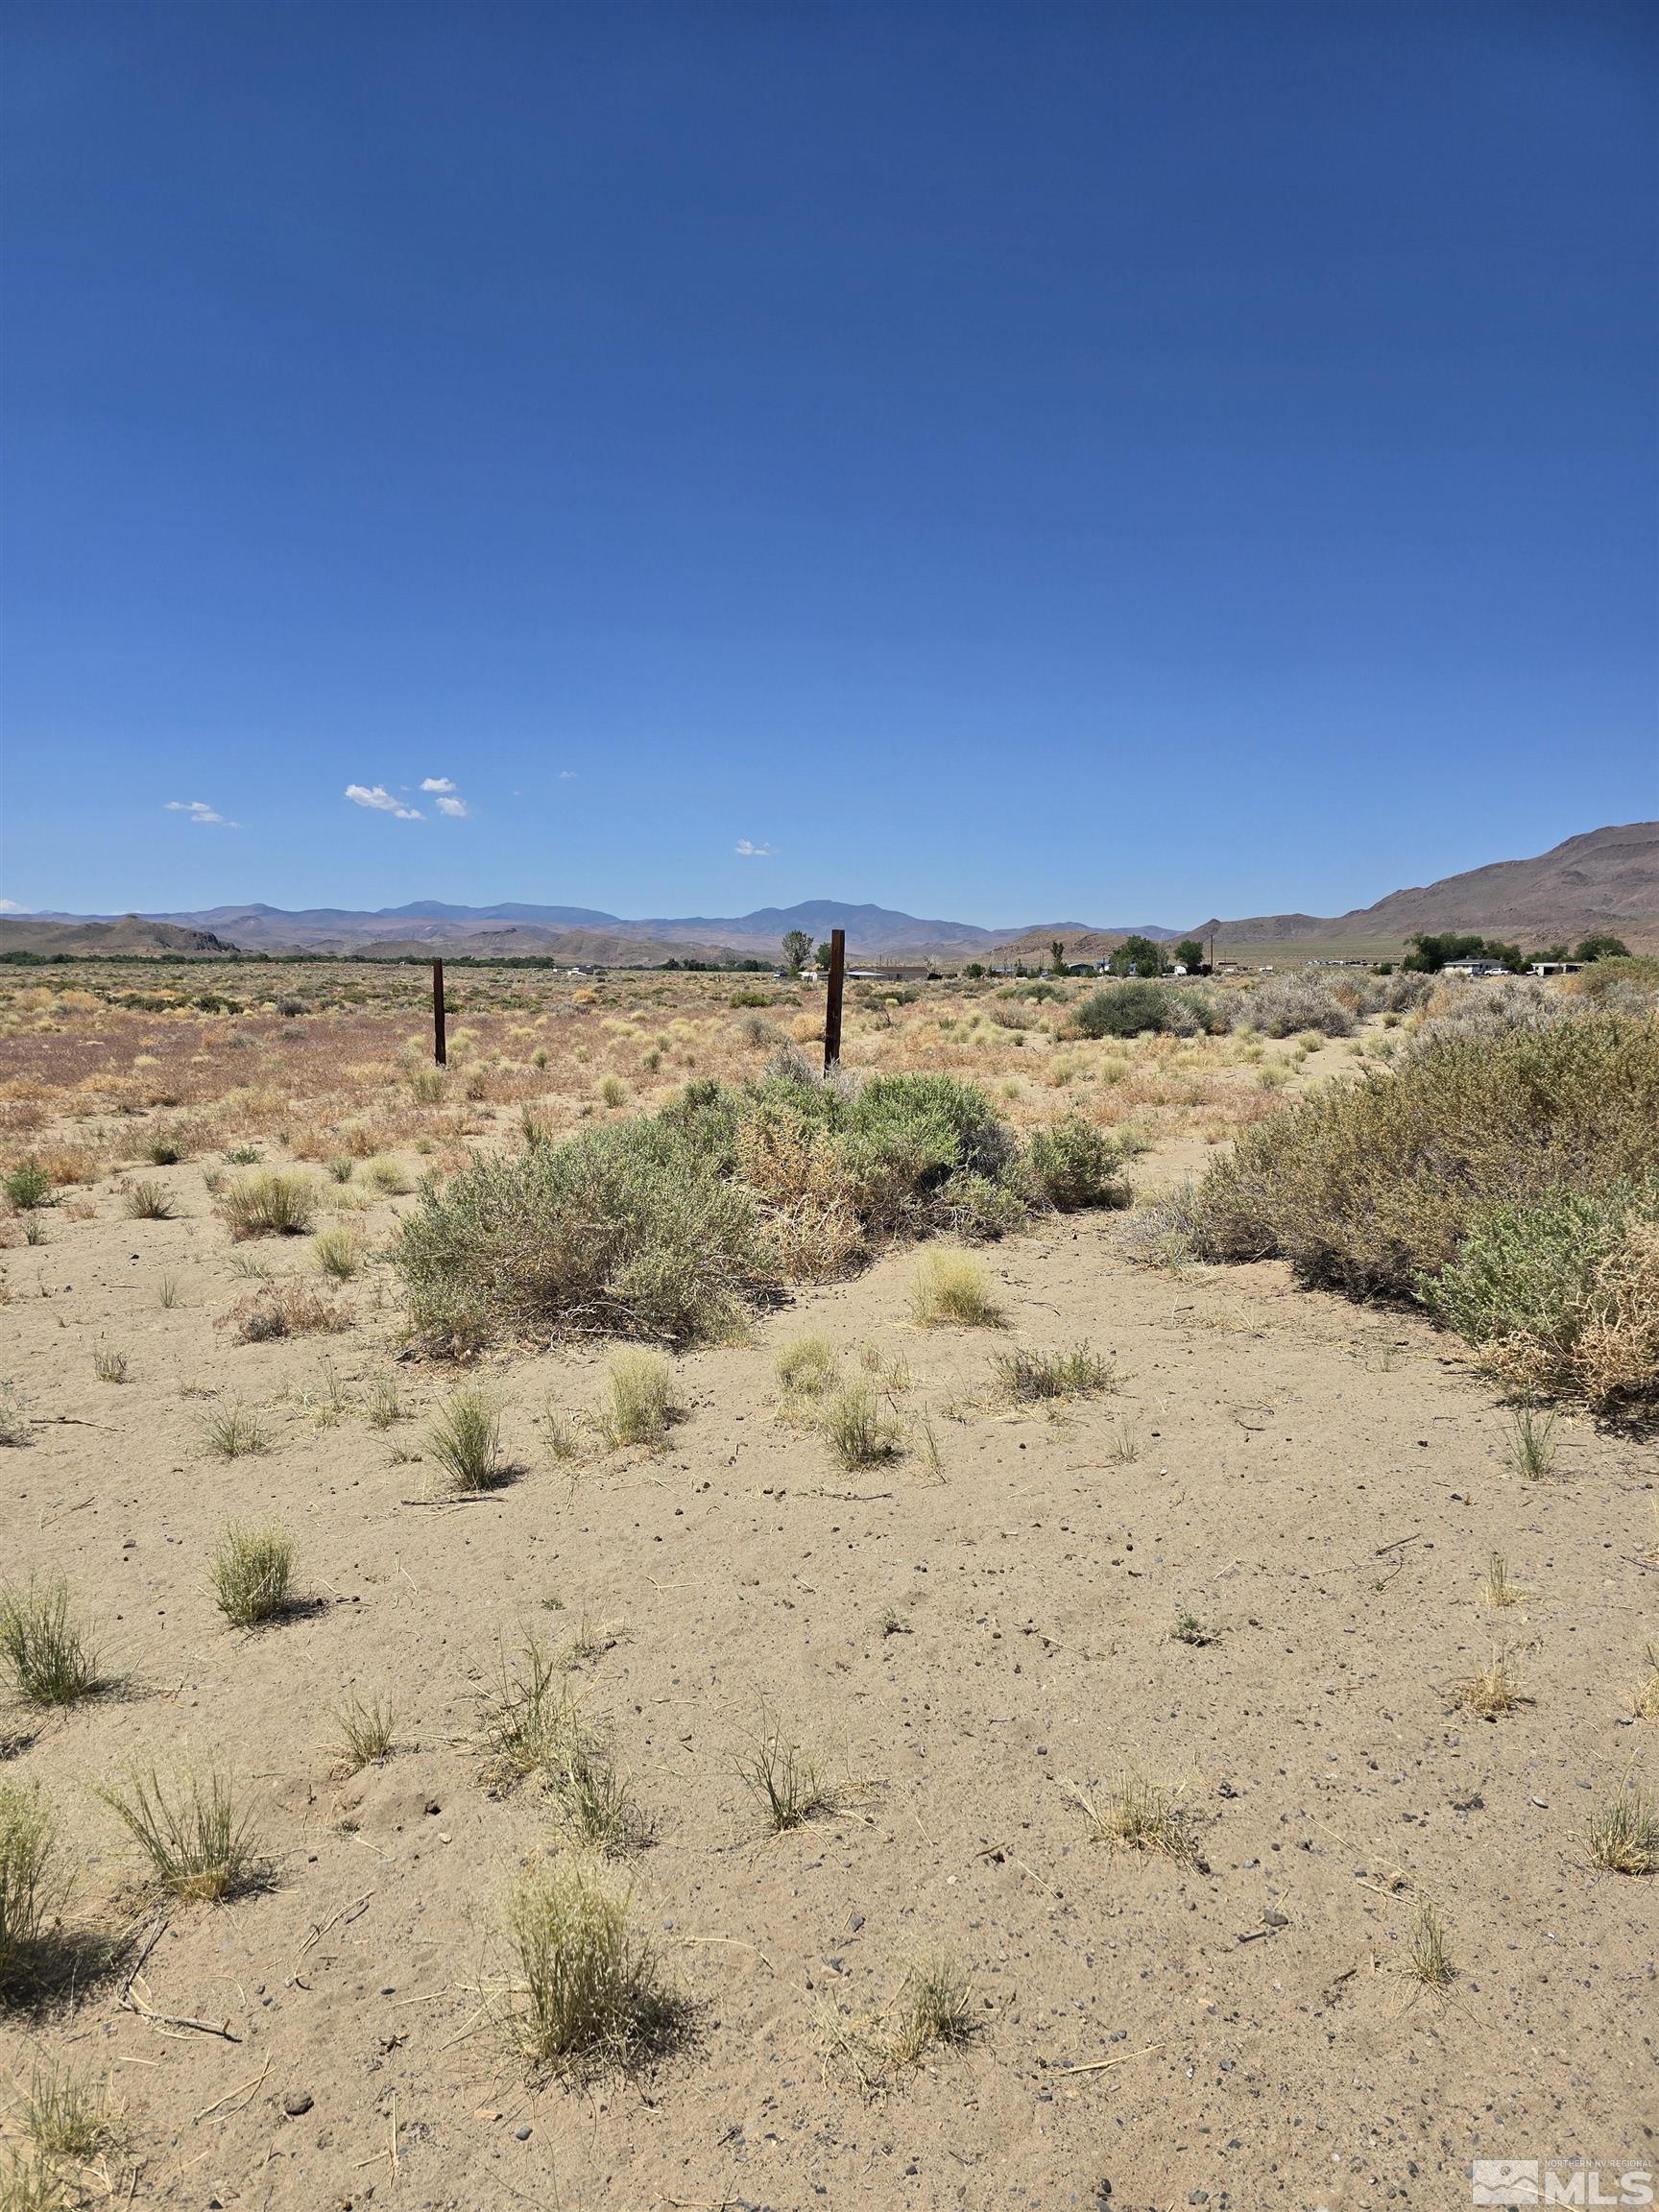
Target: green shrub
{"x": 635, "y": 1227}
{"x": 28, "y": 1185}
{"x": 1126, "y": 1010}
{"x": 1561, "y": 1295}
{"x": 669, "y": 1225}
{"x": 1506, "y": 1179}
{"x": 1370, "y": 1185}
{"x": 1073, "y": 1164}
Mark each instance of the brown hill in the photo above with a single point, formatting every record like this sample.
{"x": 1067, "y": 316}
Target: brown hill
{"x": 1606, "y": 879}
{"x": 128, "y": 933}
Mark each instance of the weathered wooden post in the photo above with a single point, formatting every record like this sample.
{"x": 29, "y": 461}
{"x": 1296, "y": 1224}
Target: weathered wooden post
{"x": 833, "y": 999}
{"x": 440, "y": 1040}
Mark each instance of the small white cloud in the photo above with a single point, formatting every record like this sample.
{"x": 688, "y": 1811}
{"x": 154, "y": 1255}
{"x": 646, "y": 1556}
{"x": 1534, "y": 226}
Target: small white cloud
{"x": 377, "y": 797}
{"x": 567, "y": 775}
{"x": 198, "y": 810}
{"x": 456, "y": 808}
{"x": 753, "y": 852}
{"x": 11, "y": 906}
{"x": 436, "y": 784}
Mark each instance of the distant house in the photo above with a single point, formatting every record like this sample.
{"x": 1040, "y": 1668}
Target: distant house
{"x": 1474, "y": 967}
{"x": 1555, "y": 966}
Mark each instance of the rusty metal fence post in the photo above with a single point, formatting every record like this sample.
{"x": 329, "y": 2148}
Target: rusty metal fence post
{"x": 833, "y": 999}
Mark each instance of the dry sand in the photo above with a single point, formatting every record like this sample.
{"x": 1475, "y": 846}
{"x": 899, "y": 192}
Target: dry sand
{"x": 1318, "y": 1483}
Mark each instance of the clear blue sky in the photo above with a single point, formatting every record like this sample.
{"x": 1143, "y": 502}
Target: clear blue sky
{"x": 1016, "y": 462}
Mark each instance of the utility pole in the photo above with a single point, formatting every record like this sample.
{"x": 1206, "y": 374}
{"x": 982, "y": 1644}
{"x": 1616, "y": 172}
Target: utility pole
{"x": 440, "y": 1041}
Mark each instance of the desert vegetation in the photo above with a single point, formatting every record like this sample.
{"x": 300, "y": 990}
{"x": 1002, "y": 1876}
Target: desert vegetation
{"x": 1505, "y": 1178}
{"x": 586, "y": 1577}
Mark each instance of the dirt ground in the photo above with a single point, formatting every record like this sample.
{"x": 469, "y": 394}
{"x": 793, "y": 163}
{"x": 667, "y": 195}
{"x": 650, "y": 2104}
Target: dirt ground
{"x": 967, "y": 1637}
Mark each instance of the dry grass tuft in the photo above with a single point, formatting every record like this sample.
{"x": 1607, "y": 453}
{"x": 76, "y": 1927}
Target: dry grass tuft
{"x": 50, "y": 1660}
{"x": 931, "y": 2009}
{"x": 1531, "y": 1445}
{"x": 67, "y": 2119}
{"x": 466, "y": 1441}
{"x": 1491, "y": 1690}
{"x": 1141, "y": 1816}
{"x": 532, "y": 1726}
{"x": 290, "y": 1307}
{"x": 1497, "y": 1590}
{"x": 32, "y": 1891}
{"x": 1624, "y": 1833}
{"x": 337, "y": 1254}
{"x": 859, "y": 1430}
{"x": 253, "y": 1575}
{"x": 934, "y": 2008}
{"x": 950, "y": 1290}
{"x": 806, "y": 1367}
{"x": 268, "y": 1205}
{"x": 198, "y": 1846}
{"x": 1429, "y": 1961}
{"x": 367, "y": 1728}
{"x": 588, "y": 1996}
{"x": 233, "y": 1432}
{"x": 1046, "y": 1377}
{"x": 1645, "y": 1699}
{"x": 638, "y": 1404}
{"x": 147, "y": 1201}
{"x": 784, "y": 1777}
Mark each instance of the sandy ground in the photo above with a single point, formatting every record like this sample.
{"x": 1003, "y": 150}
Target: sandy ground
{"x": 1320, "y": 1484}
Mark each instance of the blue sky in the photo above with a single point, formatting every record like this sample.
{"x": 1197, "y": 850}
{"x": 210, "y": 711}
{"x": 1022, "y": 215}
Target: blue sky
{"x": 1011, "y": 461}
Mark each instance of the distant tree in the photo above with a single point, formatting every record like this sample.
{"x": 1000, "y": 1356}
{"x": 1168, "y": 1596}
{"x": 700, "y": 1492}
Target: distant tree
{"x": 796, "y": 947}
{"x": 1602, "y": 948}
{"x": 1056, "y": 956}
{"x": 1138, "y": 957}
{"x": 1189, "y": 953}
{"x": 975, "y": 970}
{"x": 1430, "y": 952}
{"x": 825, "y": 955}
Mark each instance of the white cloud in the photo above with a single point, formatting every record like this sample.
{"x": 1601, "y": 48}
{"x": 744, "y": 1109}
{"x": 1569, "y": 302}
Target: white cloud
{"x": 198, "y": 810}
{"x": 11, "y": 906}
{"x": 567, "y": 775}
{"x": 751, "y": 852}
{"x": 436, "y": 784}
{"x": 377, "y": 796}
{"x": 456, "y": 808}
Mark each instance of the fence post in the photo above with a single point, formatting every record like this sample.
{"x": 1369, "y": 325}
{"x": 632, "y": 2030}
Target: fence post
{"x": 833, "y": 999}
{"x": 440, "y": 1040}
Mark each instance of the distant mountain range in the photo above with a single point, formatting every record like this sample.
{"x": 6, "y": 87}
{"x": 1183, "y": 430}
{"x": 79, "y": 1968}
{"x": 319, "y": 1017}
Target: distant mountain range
{"x": 580, "y": 934}
{"x": 1605, "y": 879}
